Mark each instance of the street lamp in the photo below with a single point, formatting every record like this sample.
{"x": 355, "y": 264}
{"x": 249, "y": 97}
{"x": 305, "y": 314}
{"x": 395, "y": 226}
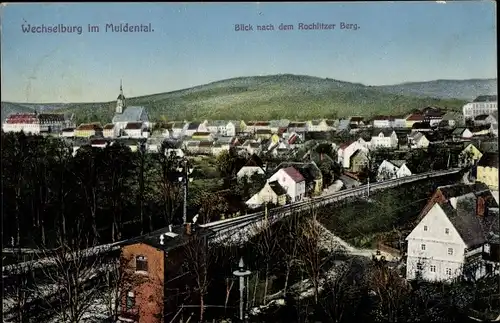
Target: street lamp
{"x": 241, "y": 273}
{"x": 185, "y": 170}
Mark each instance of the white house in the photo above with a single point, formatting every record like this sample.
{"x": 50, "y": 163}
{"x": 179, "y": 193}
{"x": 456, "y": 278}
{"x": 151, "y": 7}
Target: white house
{"x": 390, "y": 169}
{"x": 384, "y": 138}
{"x": 292, "y": 181}
{"x": 216, "y": 127}
{"x": 383, "y": 122}
{"x": 68, "y": 132}
{"x": 253, "y": 166}
{"x": 451, "y": 236}
{"x": 133, "y": 129}
{"x": 417, "y": 139}
{"x": 317, "y": 125}
{"x": 178, "y": 129}
{"x": 346, "y": 150}
{"x": 462, "y": 133}
{"x": 231, "y": 128}
{"x": 194, "y": 127}
{"x": 272, "y": 192}
{"x": 34, "y": 123}
{"x": 484, "y": 104}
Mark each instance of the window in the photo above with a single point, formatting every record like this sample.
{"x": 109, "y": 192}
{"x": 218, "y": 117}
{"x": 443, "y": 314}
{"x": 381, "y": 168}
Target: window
{"x": 422, "y": 246}
{"x": 425, "y": 228}
{"x": 448, "y": 271}
{"x": 141, "y": 263}
{"x": 130, "y": 300}
{"x": 433, "y": 268}
{"x": 450, "y": 251}
{"x": 420, "y": 266}
{"x": 447, "y": 231}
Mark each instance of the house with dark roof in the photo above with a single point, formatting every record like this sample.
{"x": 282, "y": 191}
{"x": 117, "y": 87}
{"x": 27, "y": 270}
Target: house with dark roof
{"x": 454, "y": 235}
{"x": 254, "y": 165}
{"x": 384, "y": 138}
{"x": 292, "y": 181}
{"x": 413, "y": 118}
{"x": 194, "y": 127}
{"x": 421, "y": 126}
{"x": 272, "y": 193}
{"x": 487, "y": 170}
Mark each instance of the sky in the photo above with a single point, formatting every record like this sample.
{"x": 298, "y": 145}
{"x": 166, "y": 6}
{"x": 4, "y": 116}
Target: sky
{"x": 196, "y": 43}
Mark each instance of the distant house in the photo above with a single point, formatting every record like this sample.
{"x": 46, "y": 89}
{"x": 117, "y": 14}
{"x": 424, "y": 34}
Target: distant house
{"x": 469, "y": 155}
{"x": 232, "y": 128}
{"x": 178, "y": 129}
{"x": 153, "y": 145}
{"x": 383, "y": 122}
{"x": 194, "y": 127}
{"x": 413, "y": 118}
{"x": 217, "y": 127}
{"x": 359, "y": 121}
{"x": 462, "y": 133}
{"x": 108, "y": 131}
{"x": 417, "y": 140}
{"x": 390, "y": 169}
{"x": 292, "y": 181}
{"x": 484, "y": 119}
{"x": 487, "y": 170}
{"x": 451, "y": 119}
{"x": 421, "y": 127}
{"x": 346, "y": 150}
{"x": 88, "y": 129}
{"x": 272, "y": 193}
{"x": 130, "y": 115}
{"x": 481, "y": 130}
{"x": 134, "y": 129}
{"x": 253, "y": 126}
{"x": 192, "y": 146}
{"x": 455, "y": 235}
{"x": 205, "y": 147}
{"x": 68, "y": 132}
{"x": 311, "y": 173}
{"x": 317, "y": 125}
{"x": 344, "y": 125}
{"x": 384, "y": 138}
{"x": 254, "y": 165}
{"x": 483, "y": 104}
{"x": 399, "y": 122}
{"x": 220, "y": 147}
{"x": 203, "y": 136}
{"x": 433, "y": 116}
{"x": 263, "y": 133}
{"x": 297, "y": 127}
{"x": 359, "y": 161}
{"x": 252, "y": 147}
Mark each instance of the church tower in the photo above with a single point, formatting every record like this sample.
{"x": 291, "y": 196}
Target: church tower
{"x": 120, "y": 101}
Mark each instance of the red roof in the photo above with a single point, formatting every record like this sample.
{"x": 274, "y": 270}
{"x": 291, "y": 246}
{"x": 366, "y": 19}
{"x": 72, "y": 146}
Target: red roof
{"x": 133, "y": 125}
{"x": 294, "y": 174}
{"x": 346, "y": 144}
{"x": 292, "y": 139}
{"x": 415, "y": 117}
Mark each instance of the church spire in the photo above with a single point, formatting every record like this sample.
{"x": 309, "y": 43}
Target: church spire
{"x": 120, "y": 101}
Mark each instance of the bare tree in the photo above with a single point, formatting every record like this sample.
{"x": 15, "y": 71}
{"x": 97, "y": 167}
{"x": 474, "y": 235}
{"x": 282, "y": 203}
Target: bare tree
{"x": 267, "y": 245}
{"x": 391, "y": 291}
{"x": 288, "y": 246}
{"x": 309, "y": 250}
{"x": 18, "y": 291}
{"x": 199, "y": 257}
{"x": 72, "y": 275}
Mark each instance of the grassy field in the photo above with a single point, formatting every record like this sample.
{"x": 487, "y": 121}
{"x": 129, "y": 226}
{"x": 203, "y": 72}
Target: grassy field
{"x": 266, "y": 97}
{"x": 361, "y": 221}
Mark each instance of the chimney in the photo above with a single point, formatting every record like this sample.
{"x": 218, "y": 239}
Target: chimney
{"x": 188, "y": 229}
{"x": 480, "y": 210}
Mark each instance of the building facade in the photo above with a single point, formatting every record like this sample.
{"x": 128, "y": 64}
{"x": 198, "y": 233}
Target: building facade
{"x": 484, "y": 104}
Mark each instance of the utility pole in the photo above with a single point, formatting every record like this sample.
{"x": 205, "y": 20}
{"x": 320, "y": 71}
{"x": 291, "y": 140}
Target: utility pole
{"x": 185, "y": 170}
{"x": 242, "y": 273}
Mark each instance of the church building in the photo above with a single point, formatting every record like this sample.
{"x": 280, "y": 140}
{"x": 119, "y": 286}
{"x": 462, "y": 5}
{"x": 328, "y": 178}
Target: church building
{"x": 125, "y": 115}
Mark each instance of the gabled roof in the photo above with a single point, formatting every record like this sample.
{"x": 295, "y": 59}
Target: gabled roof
{"x": 455, "y": 190}
{"x": 398, "y": 163}
{"x": 133, "y": 126}
{"x": 131, "y": 114}
{"x": 486, "y": 98}
{"x": 89, "y": 126}
{"x": 294, "y": 174}
{"x": 254, "y": 161}
{"x": 459, "y": 130}
{"x": 385, "y": 132}
{"x": 481, "y": 117}
{"x": 421, "y": 125}
{"x": 109, "y": 126}
{"x": 193, "y": 125}
{"x": 277, "y": 188}
{"x": 489, "y": 160}
{"x": 415, "y": 117}
{"x": 357, "y": 119}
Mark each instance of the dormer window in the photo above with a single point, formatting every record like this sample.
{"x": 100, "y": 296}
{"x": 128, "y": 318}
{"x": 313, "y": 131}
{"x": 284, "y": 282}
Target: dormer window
{"x": 141, "y": 263}
{"x": 447, "y": 231}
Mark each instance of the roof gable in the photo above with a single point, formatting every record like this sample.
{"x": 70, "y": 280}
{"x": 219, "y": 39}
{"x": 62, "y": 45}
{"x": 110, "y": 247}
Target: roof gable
{"x": 294, "y": 174}
{"x": 436, "y": 221}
